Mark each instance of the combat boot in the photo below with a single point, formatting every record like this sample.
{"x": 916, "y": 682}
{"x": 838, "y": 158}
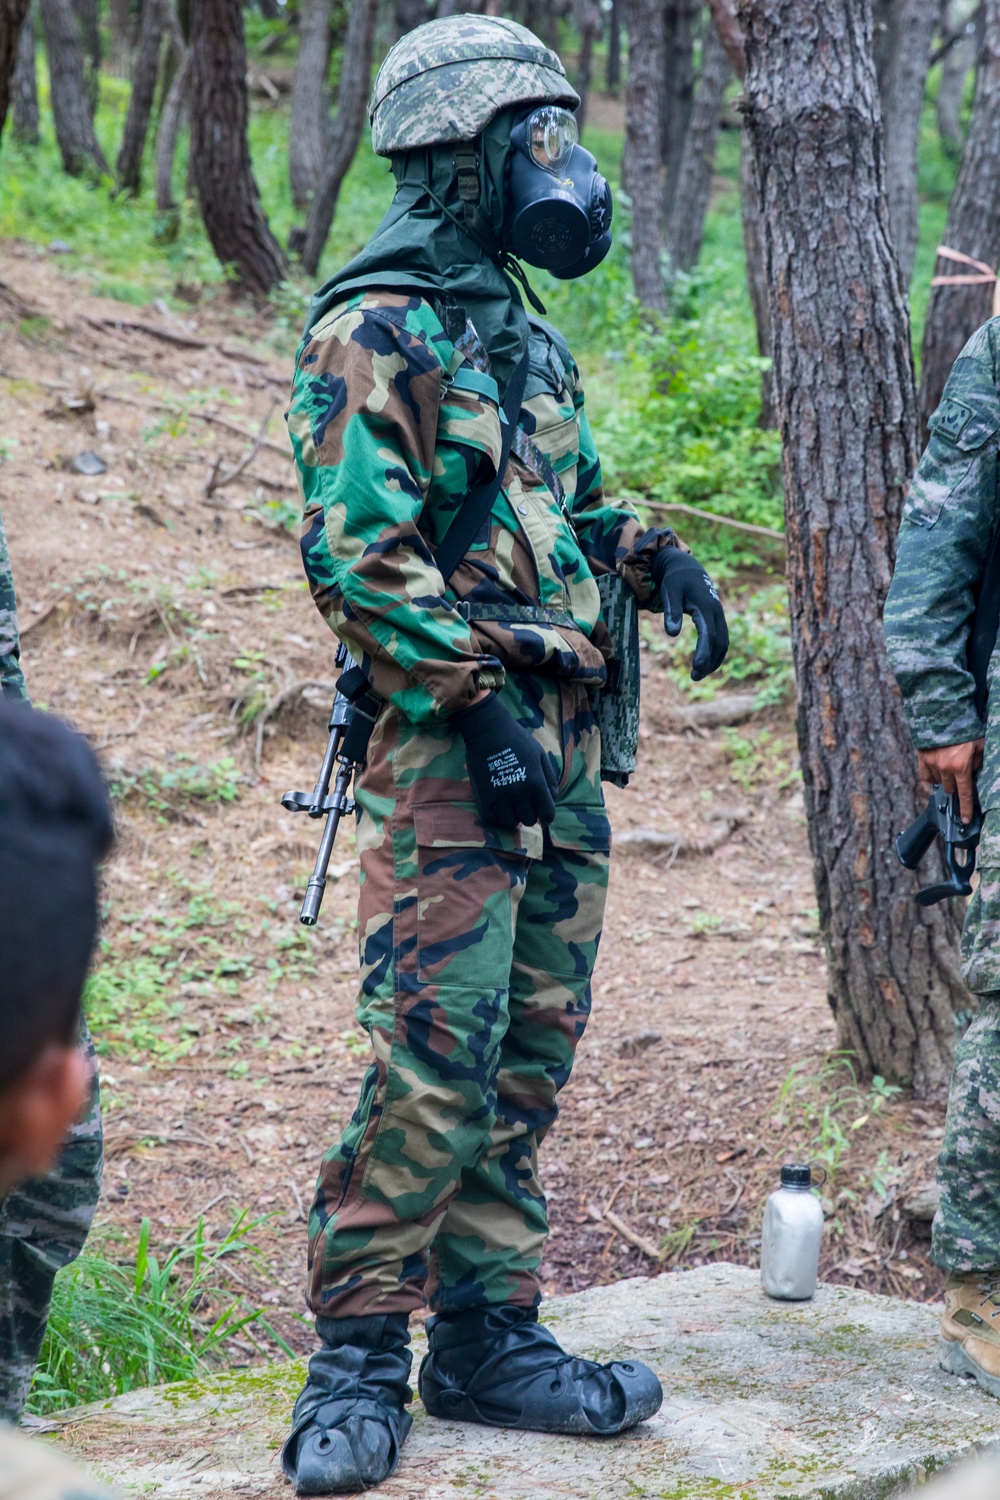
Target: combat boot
{"x": 350, "y": 1421}
{"x": 500, "y": 1366}
{"x": 970, "y": 1327}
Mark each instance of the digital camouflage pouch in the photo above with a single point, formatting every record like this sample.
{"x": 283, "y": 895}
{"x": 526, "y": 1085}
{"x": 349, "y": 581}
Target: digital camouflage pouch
{"x": 616, "y": 706}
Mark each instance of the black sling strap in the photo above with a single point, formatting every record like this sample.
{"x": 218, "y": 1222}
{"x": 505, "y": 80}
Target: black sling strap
{"x": 479, "y": 501}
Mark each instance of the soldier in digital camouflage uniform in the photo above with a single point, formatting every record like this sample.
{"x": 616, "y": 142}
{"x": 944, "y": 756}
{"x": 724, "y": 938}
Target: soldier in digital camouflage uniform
{"x": 55, "y": 825}
{"x": 483, "y": 837}
{"x": 44, "y": 1222}
{"x": 948, "y": 523}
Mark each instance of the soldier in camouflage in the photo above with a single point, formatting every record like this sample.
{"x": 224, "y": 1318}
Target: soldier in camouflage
{"x": 55, "y": 825}
{"x": 482, "y": 832}
{"x": 45, "y": 1221}
{"x": 948, "y": 523}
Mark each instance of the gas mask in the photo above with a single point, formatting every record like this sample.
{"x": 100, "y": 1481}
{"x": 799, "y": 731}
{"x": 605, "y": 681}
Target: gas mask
{"x": 558, "y": 208}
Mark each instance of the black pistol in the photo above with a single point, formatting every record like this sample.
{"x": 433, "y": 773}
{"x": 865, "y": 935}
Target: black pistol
{"x": 352, "y": 718}
{"x": 941, "y": 818}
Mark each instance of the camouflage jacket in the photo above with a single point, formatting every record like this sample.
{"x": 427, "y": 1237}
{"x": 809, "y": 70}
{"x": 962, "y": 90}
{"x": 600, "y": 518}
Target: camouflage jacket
{"x": 392, "y": 420}
{"x": 944, "y": 539}
{"x": 11, "y": 676}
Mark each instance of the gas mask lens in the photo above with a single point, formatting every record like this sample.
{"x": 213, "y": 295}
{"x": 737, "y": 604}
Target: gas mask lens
{"x": 552, "y": 133}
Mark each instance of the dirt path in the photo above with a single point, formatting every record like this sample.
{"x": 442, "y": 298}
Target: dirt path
{"x": 175, "y": 629}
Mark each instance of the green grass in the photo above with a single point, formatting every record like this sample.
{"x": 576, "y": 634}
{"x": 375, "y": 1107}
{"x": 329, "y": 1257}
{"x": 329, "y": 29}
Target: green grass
{"x": 115, "y": 1326}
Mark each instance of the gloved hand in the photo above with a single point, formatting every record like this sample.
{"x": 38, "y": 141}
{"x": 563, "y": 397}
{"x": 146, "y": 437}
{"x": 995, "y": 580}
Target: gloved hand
{"x": 686, "y": 589}
{"x": 511, "y": 779}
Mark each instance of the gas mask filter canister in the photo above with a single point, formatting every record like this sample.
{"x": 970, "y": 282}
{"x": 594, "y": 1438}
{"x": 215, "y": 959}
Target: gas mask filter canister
{"x": 558, "y": 204}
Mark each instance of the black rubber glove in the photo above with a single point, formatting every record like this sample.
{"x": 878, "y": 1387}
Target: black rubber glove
{"x": 511, "y": 779}
{"x": 686, "y": 589}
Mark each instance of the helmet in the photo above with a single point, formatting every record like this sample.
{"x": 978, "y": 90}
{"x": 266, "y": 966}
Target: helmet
{"x": 445, "y": 81}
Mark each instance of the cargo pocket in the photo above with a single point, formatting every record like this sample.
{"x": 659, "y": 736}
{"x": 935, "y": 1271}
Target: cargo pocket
{"x": 469, "y": 877}
{"x": 560, "y": 924}
{"x": 469, "y": 419}
{"x": 958, "y": 430}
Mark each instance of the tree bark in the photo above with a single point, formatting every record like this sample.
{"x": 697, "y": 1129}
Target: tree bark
{"x": 588, "y": 18}
{"x": 643, "y": 148}
{"x": 844, "y": 387}
{"x": 686, "y": 224}
{"x": 677, "y": 92}
{"x": 955, "y": 66}
{"x": 140, "y": 105}
{"x": 25, "y": 86}
{"x": 78, "y": 145}
{"x": 753, "y": 251}
{"x": 220, "y": 156}
{"x": 90, "y": 40}
{"x": 409, "y": 14}
{"x": 310, "y": 101}
{"x": 345, "y": 133}
{"x": 613, "y": 70}
{"x": 910, "y": 31}
{"x": 122, "y": 37}
{"x": 972, "y": 228}
{"x": 12, "y": 17}
{"x": 166, "y": 146}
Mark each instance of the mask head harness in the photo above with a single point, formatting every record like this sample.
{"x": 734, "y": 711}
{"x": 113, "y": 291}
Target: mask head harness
{"x": 557, "y": 206}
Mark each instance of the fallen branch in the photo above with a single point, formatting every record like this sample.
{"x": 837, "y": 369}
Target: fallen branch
{"x": 182, "y": 341}
{"x": 653, "y": 1252}
{"x": 710, "y": 515}
{"x": 42, "y": 616}
{"x": 217, "y": 480}
{"x": 658, "y": 841}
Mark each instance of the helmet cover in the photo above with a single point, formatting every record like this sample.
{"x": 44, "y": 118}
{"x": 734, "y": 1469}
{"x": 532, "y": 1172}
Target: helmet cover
{"x": 444, "y": 81}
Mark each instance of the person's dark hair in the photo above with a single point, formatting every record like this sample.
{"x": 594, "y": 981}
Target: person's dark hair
{"x": 55, "y": 826}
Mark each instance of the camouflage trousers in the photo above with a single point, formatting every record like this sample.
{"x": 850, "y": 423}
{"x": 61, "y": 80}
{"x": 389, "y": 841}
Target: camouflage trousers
{"x": 11, "y": 676}
{"x": 43, "y": 1225}
{"x": 477, "y": 949}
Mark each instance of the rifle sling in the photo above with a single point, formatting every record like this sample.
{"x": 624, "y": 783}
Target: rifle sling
{"x": 478, "y": 503}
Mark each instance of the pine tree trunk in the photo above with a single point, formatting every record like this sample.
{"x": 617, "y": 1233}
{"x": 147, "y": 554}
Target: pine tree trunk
{"x": 310, "y": 100}
{"x": 90, "y": 39}
{"x": 911, "y": 29}
{"x": 676, "y": 92}
{"x": 843, "y": 380}
{"x": 588, "y": 18}
{"x": 686, "y": 224}
{"x": 12, "y": 17}
{"x": 753, "y": 252}
{"x": 220, "y": 155}
{"x": 122, "y": 37}
{"x": 955, "y": 67}
{"x": 643, "y": 148}
{"x": 25, "y": 86}
{"x": 78, "y": 145}
{"x": 973, "y": 228}
{"x": 409, "y": 14}
{"x": 166, "y": 146}
{"x": 613, "y": 71}
{"x": 352, "y": 97}
{"x": 145, "y": 70}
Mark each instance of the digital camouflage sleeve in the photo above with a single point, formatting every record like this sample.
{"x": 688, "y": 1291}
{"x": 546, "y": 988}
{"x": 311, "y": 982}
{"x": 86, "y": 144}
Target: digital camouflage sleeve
{"x": 944, "y": 539}
{"x": 11, "y": 676}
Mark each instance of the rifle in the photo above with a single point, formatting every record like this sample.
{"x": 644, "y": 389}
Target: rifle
{"x": 941, "y": 816}
{"x": 352, "y": 718}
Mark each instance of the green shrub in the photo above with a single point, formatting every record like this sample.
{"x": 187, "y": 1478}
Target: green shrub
{"x": 114, "y": 1327}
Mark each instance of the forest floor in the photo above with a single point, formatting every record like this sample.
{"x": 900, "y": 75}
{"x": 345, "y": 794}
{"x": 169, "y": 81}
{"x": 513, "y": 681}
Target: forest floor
{"x": 174, "y": 628}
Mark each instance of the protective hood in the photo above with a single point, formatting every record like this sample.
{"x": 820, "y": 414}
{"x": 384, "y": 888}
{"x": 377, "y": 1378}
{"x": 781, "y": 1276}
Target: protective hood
{"x": 422, "y": 245}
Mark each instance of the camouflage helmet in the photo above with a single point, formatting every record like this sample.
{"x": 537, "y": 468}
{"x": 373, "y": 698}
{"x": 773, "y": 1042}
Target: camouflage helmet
{"x": 445, "y": 80}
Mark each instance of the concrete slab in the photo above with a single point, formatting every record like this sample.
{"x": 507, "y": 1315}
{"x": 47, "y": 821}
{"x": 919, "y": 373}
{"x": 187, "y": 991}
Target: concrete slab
{"x": 840, "y": 1398}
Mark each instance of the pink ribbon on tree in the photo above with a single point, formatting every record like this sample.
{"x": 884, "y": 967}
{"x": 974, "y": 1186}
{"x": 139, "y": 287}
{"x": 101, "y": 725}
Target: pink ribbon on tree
{"x": 985, "y": 277}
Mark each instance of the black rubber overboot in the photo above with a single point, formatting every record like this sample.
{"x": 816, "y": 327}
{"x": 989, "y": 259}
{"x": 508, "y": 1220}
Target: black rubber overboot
{"x": 499, "y": 1366}
{"x": 350, "y": 1421}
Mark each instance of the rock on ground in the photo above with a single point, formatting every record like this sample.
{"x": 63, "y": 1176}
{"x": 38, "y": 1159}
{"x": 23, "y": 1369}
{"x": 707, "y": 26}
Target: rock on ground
{"x": 840, "y": 1398}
